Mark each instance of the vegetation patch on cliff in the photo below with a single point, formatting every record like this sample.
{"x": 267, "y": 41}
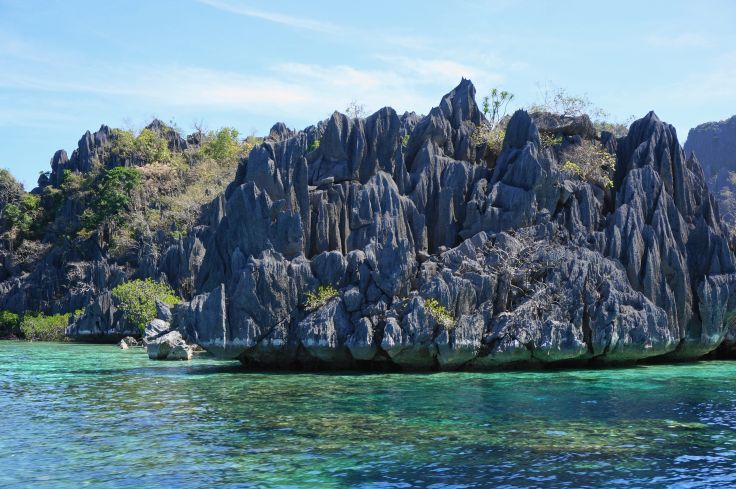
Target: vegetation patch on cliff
{"x": 320, "y": 297}
{"x": 439, "y": 313}
{"x": 137, "y": 300}
{"x": 590, "y": 162}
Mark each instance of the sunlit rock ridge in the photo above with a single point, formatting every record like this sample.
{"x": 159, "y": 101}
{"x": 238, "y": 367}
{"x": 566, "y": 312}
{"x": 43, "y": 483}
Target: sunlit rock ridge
{"x": 533, "y": 265}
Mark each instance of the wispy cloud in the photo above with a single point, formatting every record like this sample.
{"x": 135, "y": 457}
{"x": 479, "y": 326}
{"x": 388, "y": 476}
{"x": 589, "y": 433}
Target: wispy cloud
{"x": 296, "y": 91}
{"x": 348, "y": 34}
{"x": 440, "y": 70}
{"x": 297, "y": 22}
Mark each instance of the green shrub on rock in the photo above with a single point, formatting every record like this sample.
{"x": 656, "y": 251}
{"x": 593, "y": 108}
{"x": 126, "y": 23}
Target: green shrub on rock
{"x": 137, "y": 300}
{"x": 40, "y": 327}
{"x": 322, "y": 296}
{"x": 591, "y": 162}
{"x": 148, "y": 146}
{"x": 9, "y": 324}
{"x": 222, "y": 144}
{"x": 113, "y": 197}
{"x": 22, "y": 217}
{"x": 439, "y": 313}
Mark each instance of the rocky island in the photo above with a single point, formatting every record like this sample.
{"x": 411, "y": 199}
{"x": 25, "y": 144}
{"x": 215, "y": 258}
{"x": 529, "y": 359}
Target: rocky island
{"x": 404, "y": 242}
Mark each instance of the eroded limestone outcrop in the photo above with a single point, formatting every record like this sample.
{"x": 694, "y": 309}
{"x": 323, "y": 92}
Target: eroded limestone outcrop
{"x": 533, "y": 265}
{"x": 714, "y": 144}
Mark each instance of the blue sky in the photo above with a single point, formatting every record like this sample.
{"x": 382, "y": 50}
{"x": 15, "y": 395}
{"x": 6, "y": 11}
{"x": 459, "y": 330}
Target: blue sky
{"x": 69, "y": 66}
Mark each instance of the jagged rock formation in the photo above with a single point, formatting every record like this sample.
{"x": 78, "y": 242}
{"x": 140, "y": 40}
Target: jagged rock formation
{"x": 534, "y": 265}
{"x": 714, "y": 144}
{"x": 169, "y": 346}
{"x": 63, "y": 268}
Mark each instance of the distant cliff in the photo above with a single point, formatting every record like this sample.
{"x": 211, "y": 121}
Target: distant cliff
{"x": 714, "y": 144}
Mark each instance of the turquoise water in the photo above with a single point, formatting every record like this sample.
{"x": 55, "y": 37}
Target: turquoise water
{"x": 89, "y": 415}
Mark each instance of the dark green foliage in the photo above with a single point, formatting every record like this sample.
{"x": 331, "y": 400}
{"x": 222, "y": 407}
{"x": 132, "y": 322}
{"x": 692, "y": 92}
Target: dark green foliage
{"x": 138, "y": 300}
{"x": 40, "y": 327}
{"x": 22, "y": 217}
{"x": 9, "y": 324}
{"x": 113, "y": 197}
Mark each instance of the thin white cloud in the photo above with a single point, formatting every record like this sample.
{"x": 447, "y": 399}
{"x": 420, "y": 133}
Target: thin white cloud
{"x": 353, "y": 34}
{"x": 297, "y": 22}
{"x": 33, "y": 118}
{"x": 290, "y": 90}
{"x": 294, "y": 90}
{"x": 441, "y": 70}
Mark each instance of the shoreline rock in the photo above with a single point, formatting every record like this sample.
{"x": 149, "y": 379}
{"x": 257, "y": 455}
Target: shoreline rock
{"x": 533, "y": 265}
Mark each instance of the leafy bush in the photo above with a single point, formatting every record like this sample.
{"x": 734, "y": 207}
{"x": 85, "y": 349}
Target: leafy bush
{"x": 405, "y": 140}
{"x": 222, "y": 144}
{"x": 148, "y": 146}
{"x": 439, "y": 313}
{"x": 137, "y": 300}
{"x": 22, "y": 217}
{"x": 492, "y": 137}
{"x": 9, "y": 323}
{"x": 322, "y": 296}
{"x": 314, "y": 145}
{"x": 113, "y": 197}
{"x": 590, "y": 161}
{"x": 40, "y": 327}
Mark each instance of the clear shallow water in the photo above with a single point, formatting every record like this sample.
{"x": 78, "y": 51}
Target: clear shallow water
{"x": 88, "y": 415}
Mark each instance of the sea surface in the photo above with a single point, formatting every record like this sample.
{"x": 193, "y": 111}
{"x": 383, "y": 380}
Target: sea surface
{"x": 95, "y": 416}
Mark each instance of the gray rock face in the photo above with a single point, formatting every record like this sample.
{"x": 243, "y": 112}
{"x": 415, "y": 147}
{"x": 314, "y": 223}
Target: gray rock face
{"x": 102, "y": 321}
{"x": 531, "y": 266}
{"x": 128, "y": 342}
{"x": 57, "y": 271}
{"x": 714, "y": 145}
{"x": 440, "y": 259}
{"x": 170, "y": 346}
{"x": 154, "y": 329}
{"x": 163, "y": 312}
{"x": 565, "y": 125}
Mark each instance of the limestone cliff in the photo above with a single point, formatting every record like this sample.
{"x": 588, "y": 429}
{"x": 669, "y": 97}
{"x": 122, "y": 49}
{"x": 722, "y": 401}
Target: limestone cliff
{"x": 714, "y": 144}
{"x": 531, "y": 263}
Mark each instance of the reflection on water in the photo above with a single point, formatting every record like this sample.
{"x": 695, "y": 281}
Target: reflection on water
{"x": 75, "y": 415}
